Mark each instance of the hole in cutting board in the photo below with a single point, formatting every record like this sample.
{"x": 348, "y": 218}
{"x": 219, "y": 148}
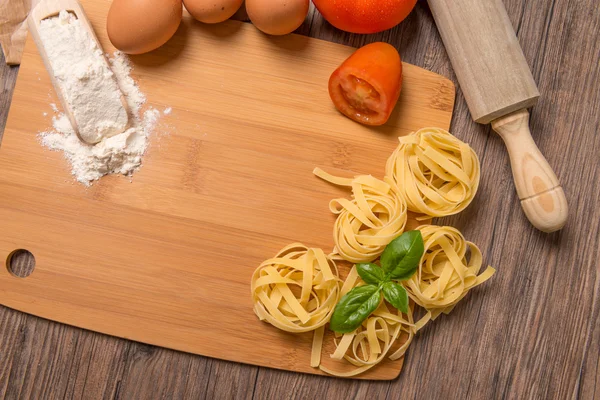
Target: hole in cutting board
{"x": 20, "y": 263}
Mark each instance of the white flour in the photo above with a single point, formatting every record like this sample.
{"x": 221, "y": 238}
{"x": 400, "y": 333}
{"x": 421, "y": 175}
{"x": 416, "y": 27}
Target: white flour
{"x": 119, "y": 154}
{"x": 86, "y": 82}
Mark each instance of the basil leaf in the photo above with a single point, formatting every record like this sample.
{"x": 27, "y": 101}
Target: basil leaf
{"x": 354, "y": 308}
{"x": 396, "y": 295}
{"x": 402, "y": 256}
{"x": 371, "y": 273}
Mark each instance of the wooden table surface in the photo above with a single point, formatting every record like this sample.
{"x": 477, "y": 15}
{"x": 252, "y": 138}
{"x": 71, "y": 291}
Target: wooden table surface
{"x": 532, "y": 331}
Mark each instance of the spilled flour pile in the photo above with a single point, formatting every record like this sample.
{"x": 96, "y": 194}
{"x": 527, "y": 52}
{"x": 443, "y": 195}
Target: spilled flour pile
{"x": 118, "y": 154}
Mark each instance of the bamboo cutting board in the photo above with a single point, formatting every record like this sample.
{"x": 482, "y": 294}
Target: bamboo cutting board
{"x": 166, "y": 259}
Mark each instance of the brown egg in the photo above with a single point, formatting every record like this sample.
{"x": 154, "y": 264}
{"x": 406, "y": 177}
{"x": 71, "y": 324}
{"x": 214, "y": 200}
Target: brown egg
{"x": 212, "y": 11}
{"x": 277, "y": 17}
{"x": 140, "y": 26}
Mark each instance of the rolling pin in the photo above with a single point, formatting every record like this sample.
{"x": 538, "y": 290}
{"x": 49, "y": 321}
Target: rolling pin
{"x": 499, "y": 88}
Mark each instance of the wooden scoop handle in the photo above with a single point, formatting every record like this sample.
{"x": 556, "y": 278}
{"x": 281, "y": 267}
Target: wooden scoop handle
{"x": 542, "y": 197}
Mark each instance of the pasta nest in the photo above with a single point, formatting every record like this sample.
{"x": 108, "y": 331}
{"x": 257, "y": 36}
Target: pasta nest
{"x": 445, "y": 275}
{"x": 382, "y": 333}
{"x": 366, "y": 224}
{"x": 437, "y": 174}
{"x": 297, "y": 290}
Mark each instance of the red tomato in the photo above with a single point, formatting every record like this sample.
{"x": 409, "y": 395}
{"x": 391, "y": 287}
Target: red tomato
{"x": 367, "y": 85}
{"x": 364, "y": 16}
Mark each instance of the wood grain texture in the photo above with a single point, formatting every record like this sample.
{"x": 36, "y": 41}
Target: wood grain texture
{"x": 485, "y": 52}
{"x": 166, "y": 258}
{"x": 538, "y": 323}
{"x": 542, "y": 198}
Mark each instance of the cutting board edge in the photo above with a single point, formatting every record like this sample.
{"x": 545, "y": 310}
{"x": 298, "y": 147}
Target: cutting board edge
{"x": 398, "y": 365}
{"x": 374, "y": 375}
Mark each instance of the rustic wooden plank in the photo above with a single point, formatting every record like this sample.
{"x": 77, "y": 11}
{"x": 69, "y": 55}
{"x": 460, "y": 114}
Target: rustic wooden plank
{"x": 588, "y": 383}
{"x": 10, "y": 340}
{"x": 534, "y": 327}
{"x": 272, "y": 384}
{"x": 516, "y": 346}
{"x": 97, "y": 366}
{"x": 8, "y": 77}
{"x": 228, "y": 380}
{"x": 156, "y": 372}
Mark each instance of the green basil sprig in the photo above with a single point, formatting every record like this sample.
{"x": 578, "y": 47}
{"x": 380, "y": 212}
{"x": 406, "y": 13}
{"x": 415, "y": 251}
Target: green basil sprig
{"x": 399, "y": 261}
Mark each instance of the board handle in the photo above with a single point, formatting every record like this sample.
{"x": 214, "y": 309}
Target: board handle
{"x": 541, "y": 195}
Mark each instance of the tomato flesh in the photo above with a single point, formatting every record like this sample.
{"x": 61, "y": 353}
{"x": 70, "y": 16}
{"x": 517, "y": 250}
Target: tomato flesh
{"x": 367, "y": 85}
{"x": 360, "y": 95}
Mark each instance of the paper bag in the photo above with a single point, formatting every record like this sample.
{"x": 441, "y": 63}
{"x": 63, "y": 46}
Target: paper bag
{"x": 13, "y": 28}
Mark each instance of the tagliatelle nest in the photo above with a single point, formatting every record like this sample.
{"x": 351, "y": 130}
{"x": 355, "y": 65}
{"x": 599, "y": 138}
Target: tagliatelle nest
{"x": 366, "y": 224}
{"x": 445, "y": 275}
{"x": 383, "y": 332}
{"x": 437, "y": 174}
{"x": 296, "y": 290}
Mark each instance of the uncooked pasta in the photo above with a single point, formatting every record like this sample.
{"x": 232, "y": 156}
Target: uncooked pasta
{"x": 366, "y": 224}
{"x": 435, "y": 172}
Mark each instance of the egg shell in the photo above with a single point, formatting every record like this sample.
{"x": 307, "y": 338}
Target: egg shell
{"x": 277, "y": 17}
{"x": 140, "y": 26}
{"x": 212, "y": 11}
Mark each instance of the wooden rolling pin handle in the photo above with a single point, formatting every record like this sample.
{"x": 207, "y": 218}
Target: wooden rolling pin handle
{"x": 541, "y": 195}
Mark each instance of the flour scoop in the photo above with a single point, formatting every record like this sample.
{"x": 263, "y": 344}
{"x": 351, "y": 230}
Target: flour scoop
{"x": 84, "y": 83}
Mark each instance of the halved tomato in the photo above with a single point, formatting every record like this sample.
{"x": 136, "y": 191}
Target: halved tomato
{"x": 366, "y": 87}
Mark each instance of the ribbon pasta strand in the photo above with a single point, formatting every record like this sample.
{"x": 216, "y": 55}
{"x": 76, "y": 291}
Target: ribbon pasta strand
{"x": 445, "y": 276}
{"x": 366, "y": 224}
{"x": 296, "y": 291}
{"x": 432, "y": 173}
{"x": 437, "y": 174}
{"x": 369, "y": 344}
